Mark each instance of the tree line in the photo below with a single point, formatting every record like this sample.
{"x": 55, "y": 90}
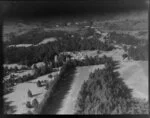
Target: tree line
{"x": 31, "y": 55}
{"x": 106, "y": 93}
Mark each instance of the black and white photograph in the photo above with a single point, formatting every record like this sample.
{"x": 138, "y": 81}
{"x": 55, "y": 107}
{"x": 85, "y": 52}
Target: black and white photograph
{"x": 76, "y": 57}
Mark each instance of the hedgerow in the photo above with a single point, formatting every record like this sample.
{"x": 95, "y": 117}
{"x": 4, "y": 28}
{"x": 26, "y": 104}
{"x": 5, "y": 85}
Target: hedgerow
{"x": 106, "y": 93}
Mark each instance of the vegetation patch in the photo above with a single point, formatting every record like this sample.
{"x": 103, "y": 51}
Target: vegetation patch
{"x": 66, "y": 42}
{"x": 106, "y": 93}
{"x": 127, "y": 39}
{"x": 138, "y": 53}
{"x": 53, "y": 87}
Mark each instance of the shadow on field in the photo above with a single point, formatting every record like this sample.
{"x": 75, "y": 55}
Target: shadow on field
{"x": 36, "y": 94}
{"x": 63, "y": 86}
{"x": 7, "y": 107}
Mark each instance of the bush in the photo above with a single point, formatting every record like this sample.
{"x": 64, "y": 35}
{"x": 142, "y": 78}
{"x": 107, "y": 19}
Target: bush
{"x": 28, "y": 104}
{"x": 29, "y": 93}
{"x": 98, "y": 51}
{"x": 35, "y": 103}
{"x": 47, "y": 85}
{"x": 54, "y": 87}
{"x": 45, "y": 81}
{"x": 125, "y": 56}
{"x": 38, "y": 83}
{"x": 138, "y": 53}
{"x": 50, "y": 76}
{"x": 29, "y": 112}
{"x": 124, "y": 39}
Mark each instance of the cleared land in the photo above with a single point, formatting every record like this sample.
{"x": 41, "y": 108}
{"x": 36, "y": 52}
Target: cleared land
{"x": 135, "y": 74}
{"x": 18, "y": 98}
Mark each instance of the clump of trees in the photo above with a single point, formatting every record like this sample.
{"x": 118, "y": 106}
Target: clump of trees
{"x": 28, "y": 104}
{"x": 47, "y": 85}
{"x": 125, "y": 56}
{"x": 34, "y": 36}
{"x": 29, "y": 93}
{"x": 106, "y": 93}
{"x": 50, "y": 75}
{"x": 52, "y": 86}
{"x": 29, "y": 112}
{"x": 96, "y": 60}
{"x": 39, "y": 83}
{"x": 7, "y": 70}
{"x": 35, "y": 103}
{"x": 14, "y": 79}
{"x": 138, "y": 53}
{"x": 121, "y": 38}
{"x": 34, "y": 54}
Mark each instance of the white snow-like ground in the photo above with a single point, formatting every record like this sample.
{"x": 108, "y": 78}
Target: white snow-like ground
{"x": 135, "y": 75}
{"x": 21, "y": 45}
{"x": 45, "y": 41}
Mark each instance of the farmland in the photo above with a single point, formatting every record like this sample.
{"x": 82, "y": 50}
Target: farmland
{"x": 60, "y": 67}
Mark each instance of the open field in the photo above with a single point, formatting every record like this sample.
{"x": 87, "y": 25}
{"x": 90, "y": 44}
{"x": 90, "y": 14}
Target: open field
{"x": 135, "y": 75}
{"x": 18, "y": 98}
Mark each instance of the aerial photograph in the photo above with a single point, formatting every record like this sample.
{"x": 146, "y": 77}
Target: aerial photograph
{"x": 75, "y": 57}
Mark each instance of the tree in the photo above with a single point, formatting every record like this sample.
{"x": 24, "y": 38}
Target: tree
{"x": 43, "y": 70}
{"x": 125, "y": 56}
{"x": 98, "y": 52}
{"x": 106, "y": 91}
{"x": 39, "y": 83}
{"x": 29, "y": 93}
{"x": 50, "y": 76}
{"x": 28, "y": 104}
{"x": 16, "y": 68}
{"x": 35, "y": 67}
{"x": 47, "y": 85}
{"x": 29, "y": 112}
{"x": 35, "y": 103}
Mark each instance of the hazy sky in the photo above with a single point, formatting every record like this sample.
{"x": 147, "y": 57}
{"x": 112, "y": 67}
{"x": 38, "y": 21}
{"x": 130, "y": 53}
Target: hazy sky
{"x": 69, "y": 8}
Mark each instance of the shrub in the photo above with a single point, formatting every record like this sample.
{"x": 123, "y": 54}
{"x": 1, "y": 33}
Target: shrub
{"x": 47, "y": 85}
{"x": 29, "y": 112}
{"x": 38, "y": 83}
{"x": 28, "y": 104}
{"x": 139, "y": 53}
{"x": 45, "y": 81}
{"x": 50, "y": 76}
{"x": 125, "y": 56}
{"x": 124, "y": 38}
{"x": 16, "y": 68}
{"x": 35, "y": 103}
{"x": 98, "y": 51}
{"x": 29, "y": 93}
